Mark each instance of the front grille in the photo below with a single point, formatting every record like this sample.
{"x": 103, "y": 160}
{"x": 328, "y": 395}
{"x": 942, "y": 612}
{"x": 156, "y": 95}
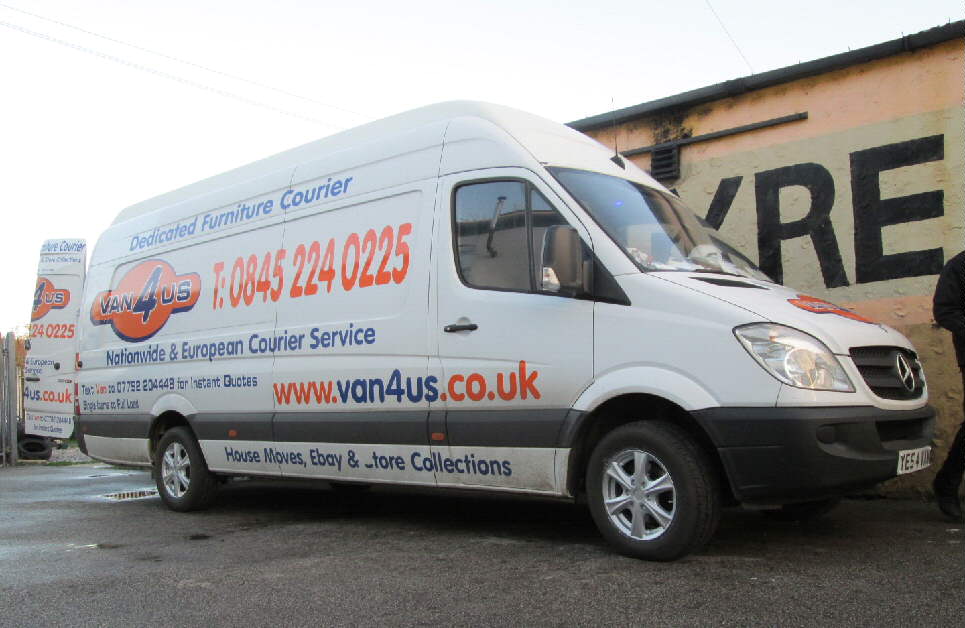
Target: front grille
{"x": 882, "y": 369}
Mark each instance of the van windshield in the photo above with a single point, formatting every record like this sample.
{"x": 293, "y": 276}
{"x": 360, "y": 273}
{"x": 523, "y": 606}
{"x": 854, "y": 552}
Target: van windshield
{"x": 654, "y": 228}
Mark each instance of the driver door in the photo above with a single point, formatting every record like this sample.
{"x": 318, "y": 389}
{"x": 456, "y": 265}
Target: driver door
{"x": 515, "y": 349}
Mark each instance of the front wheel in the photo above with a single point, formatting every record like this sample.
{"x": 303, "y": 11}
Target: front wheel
{"x": 183, "y": 480}
{"x": 652, "y": 491}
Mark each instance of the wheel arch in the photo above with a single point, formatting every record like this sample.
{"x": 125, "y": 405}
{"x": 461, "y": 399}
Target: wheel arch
{"x": 654, "y": 380}
{"x": 161, "y": 424}
{"x": 173, "y": 402}
{"x": 590, "y": 427}
{"x": 169, "y": 411}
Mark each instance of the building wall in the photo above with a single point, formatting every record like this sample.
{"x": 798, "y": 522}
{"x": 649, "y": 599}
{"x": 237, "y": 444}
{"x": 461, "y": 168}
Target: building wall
{"x": 860, "y": 203}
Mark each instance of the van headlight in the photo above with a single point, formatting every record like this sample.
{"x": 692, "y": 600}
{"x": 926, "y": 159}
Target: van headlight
{"x": 794, "y": 357}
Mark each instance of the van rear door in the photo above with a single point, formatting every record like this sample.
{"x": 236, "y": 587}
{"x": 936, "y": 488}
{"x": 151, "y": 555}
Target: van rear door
{"x": 49, "y": 368}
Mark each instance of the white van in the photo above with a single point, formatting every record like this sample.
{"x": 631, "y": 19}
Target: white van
{"x": 49, "y": 391}
{"x": 472, "y": 297}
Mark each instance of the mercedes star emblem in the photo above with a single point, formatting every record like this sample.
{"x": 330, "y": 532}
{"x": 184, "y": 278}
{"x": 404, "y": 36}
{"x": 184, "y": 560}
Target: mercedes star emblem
{"x": 905, "y": 374}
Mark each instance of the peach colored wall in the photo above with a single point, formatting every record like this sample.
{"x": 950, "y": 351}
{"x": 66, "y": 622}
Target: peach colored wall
{"x": 884, "y": 136}
{"x": 925, "y": 80}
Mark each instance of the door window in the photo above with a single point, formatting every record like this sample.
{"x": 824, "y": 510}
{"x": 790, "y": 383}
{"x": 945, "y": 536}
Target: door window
{"x": 500, "y": 232}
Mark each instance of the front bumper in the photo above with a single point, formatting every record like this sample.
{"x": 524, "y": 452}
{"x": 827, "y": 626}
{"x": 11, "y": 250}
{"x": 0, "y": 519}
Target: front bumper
{"x": 784, "y": 455}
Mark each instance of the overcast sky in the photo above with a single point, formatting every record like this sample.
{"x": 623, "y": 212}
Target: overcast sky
{"x": 92, "y": 119}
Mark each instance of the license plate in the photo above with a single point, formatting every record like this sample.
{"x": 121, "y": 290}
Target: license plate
{"x": 910, "y": 460}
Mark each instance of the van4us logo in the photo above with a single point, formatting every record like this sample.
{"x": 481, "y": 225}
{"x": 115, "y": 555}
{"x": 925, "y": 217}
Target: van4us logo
{"x": 47, "y": 297}
{"x": 145, "y": 299}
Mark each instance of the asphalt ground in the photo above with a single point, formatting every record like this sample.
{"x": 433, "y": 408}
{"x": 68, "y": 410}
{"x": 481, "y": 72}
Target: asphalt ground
{"x": 279, "y": 555}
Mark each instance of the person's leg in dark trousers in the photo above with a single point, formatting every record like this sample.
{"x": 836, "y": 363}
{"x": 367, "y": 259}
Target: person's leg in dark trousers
{"x": 949, "y": 477}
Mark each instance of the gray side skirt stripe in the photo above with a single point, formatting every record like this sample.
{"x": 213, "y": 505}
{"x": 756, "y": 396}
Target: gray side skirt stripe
{"x": 464, "y": 428}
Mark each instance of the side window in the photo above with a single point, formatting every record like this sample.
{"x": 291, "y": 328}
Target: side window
{"x": 491, "y": 235}
{"x": 504, "y": 232}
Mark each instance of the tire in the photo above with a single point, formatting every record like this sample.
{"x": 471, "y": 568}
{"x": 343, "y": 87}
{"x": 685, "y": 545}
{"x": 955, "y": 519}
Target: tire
{"x": 676, "y": 510}
{"x": 183, "y": 480}
{"x": 802, "y": 511}
{"x": 34, "y": 448}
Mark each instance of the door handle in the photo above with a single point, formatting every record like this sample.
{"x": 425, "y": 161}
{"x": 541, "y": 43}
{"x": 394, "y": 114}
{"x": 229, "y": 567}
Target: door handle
{"x": 466, "y": 327}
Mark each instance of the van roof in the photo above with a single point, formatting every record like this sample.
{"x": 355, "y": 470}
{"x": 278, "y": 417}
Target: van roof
{"x": 513, "y": 121}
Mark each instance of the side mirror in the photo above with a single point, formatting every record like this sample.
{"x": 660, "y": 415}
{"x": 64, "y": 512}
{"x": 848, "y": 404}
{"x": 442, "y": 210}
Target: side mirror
{"x": 564, "y": 268}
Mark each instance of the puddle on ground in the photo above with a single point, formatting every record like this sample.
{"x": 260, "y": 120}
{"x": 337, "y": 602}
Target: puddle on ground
{"x": 117, "y": 474}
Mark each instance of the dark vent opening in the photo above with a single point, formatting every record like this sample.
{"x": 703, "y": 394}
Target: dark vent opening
{"x": 665, "y": 163}
{"x": 911, "y": 429}
{"x": 729, "y": 283}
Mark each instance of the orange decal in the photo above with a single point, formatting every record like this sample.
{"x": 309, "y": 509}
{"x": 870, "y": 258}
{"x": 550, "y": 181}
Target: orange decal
{"x": 47, "y": 297}
{"x": 820, "y": 306}
{"x": 145, "y": 299}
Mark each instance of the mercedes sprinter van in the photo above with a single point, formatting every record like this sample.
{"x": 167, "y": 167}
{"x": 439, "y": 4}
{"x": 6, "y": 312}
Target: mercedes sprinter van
{"x": 472, "y": 297}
